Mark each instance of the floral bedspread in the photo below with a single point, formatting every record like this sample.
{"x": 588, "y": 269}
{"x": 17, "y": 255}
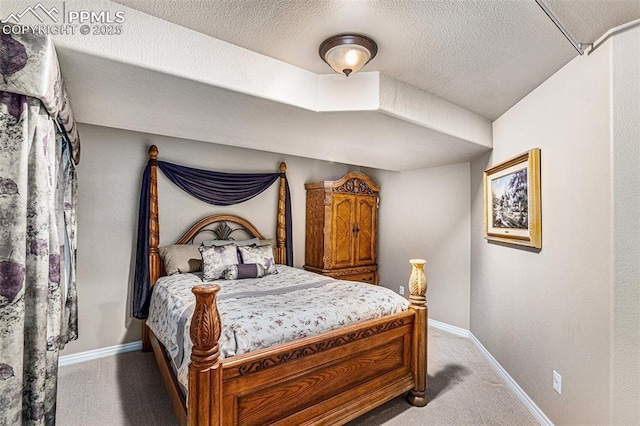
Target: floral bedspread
{"x": 263, "y": 312}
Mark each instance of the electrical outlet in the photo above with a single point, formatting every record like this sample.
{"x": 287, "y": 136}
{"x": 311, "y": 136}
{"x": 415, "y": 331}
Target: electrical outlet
{"x": 557, "y": 382}
{"x": 401, "y": 289}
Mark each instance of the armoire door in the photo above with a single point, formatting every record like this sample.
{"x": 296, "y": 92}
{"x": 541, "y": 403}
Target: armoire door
{"x": 342, "y": 230}
{"x": 365, "y": 235}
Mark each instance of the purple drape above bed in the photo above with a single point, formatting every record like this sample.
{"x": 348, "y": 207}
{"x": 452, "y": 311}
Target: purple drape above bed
{"x": 217, "y": 188}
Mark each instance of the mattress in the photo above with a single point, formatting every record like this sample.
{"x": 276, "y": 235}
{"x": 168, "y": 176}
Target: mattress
{"x": 263, "y": 312}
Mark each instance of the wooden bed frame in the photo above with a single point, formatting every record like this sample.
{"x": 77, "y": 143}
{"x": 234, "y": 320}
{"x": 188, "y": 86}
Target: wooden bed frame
{"x": 326, "y": 379}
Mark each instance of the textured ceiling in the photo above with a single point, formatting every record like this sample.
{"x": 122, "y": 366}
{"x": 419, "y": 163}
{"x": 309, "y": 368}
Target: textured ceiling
{"x": 587, "y": 20}
{"x": 481, "y": 55}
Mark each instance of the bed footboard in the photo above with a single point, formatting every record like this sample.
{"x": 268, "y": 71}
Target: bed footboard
{"x": 326, "y": 379}
{"x": 330, "y": 379}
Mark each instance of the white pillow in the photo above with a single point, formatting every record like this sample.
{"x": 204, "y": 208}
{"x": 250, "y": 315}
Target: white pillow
{"x": 259, "y": 254}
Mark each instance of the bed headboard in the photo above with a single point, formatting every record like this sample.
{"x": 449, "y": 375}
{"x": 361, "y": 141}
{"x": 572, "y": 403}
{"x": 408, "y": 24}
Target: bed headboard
{"x": 216, "y": 224}
{"x": 221, "y": 227}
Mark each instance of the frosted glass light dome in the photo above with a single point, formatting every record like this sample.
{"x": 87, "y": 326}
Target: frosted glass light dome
{"x": 348, "y": 53}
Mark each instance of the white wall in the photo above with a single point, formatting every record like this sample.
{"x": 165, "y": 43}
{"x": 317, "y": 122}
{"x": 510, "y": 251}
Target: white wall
{"x": 109, "y": 190}
{"x": 425, "y": 214}
{"x": 539, "y": 312}
{"x": 625, "y": 95}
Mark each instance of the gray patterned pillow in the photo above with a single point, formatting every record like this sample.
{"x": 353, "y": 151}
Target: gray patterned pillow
{"x": 259, "y": 254}
{"x": 216, "y": 259}
{"x": 244, "y": 270}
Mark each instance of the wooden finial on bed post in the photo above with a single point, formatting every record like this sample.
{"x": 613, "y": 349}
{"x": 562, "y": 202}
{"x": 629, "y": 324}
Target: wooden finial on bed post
{"x": 154, "y": 233}
{"x": 418, "y": 303}
{"x": 281, "y": 232}
{"x": 205, "y": 372}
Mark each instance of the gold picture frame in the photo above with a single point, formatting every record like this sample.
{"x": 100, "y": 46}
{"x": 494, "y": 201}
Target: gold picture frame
{"x": 512, "y": 213}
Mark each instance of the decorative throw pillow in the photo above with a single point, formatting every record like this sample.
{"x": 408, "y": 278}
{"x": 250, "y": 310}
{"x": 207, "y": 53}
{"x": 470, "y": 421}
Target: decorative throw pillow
{"x": 272, "y": 242}
{"x": 180, "y": 259}
{"x": 243, "y": 270}
{"x": 259, "y": 254}
{"x": 216, "y": 259}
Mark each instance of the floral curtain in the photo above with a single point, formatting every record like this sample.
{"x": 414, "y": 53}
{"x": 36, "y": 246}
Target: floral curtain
{"x": 38, "y": 313}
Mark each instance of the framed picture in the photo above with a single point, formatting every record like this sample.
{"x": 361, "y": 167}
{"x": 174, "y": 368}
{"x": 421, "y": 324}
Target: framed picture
{"x": 512, "y": 201}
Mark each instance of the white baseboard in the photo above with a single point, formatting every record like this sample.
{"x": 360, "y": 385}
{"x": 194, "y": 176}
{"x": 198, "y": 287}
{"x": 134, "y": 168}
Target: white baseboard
{"x": 515, "y": 388}
{"x": 99, "y": 353}
{"x": 458, "y": 331}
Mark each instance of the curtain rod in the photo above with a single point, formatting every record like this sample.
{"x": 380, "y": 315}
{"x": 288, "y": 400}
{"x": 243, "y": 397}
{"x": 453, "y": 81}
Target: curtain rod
{"x": 577, "y": 46}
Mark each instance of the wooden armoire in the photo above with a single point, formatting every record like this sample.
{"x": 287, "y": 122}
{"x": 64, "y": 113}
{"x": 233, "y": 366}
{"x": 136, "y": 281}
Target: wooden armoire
{"x": 342, "y": 228}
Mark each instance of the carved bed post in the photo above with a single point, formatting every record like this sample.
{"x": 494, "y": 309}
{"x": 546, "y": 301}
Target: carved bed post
{"x": 154, "y": 233}
{"x": 205, "y": 372}
{"x": 418, "y": 289}
{"x": 281, "y": 230}
{"x": 154, "y": 225}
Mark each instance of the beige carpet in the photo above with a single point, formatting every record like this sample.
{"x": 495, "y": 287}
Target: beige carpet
{"x": 127, "y": 390}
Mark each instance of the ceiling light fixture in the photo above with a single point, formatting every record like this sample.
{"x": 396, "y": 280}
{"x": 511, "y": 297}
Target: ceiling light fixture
{"x": 347, "y": 53}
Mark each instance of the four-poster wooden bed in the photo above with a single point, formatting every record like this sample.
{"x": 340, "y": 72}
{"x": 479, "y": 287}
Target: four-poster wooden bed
{"x": 329, "y": 378}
